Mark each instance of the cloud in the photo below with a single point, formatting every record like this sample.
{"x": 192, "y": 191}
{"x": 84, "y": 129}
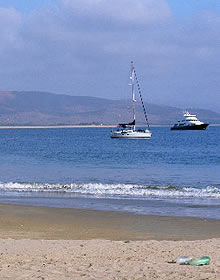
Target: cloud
{"x": 10, "y": 22}
{"x": 83, "y": 47}
{"x": 127, "y": 11}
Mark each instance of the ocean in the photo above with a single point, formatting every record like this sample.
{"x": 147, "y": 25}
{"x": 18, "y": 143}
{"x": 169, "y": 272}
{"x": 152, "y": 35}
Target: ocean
{"x": 175, "y": 173}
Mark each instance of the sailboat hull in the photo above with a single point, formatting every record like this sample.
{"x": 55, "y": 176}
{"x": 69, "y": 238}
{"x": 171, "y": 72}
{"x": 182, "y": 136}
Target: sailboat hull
{"x": 131, "y": 134}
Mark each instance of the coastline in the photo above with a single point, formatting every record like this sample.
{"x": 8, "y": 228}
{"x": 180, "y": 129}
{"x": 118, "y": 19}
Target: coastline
{"x": 76, "y": 126}
{"x": 52, "y": 126}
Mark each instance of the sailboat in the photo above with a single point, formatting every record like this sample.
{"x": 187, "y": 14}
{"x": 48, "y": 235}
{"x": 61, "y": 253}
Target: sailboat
{"x": 128, "y": 130}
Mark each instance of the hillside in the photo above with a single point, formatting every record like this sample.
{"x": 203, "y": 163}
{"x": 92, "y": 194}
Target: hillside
{"x": 43, "y": 108}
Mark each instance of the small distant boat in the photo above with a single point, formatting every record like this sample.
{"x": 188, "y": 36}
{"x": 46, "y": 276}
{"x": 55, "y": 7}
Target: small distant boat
{"x": 128, "y": 130}
{"x": 190, "y": 122}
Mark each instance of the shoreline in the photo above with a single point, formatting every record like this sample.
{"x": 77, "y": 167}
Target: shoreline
{"x": 53, "y": 126}
{"x": 75, "y": 126}
{"x": 34, "y": 222}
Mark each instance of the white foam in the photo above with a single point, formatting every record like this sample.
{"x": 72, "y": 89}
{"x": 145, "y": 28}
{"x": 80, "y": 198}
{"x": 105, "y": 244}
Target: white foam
{"x": 129, "y": 190}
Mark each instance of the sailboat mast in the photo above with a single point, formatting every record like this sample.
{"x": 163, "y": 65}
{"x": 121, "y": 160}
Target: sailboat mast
{"x": 133, "y": 92}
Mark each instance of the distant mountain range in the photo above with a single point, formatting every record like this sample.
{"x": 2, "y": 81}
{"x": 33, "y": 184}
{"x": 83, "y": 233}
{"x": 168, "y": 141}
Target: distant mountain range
{"x": 44, "y": 108}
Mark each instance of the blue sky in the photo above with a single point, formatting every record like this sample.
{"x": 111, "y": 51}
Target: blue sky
{"x": 187, "y": 8}
{"x": 26, "y": 5}
{"x": 84, "y": 47}
{"x": 182, "y": 8}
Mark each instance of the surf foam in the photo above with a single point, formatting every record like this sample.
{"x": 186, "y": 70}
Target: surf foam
{"x": 117, "y": 190}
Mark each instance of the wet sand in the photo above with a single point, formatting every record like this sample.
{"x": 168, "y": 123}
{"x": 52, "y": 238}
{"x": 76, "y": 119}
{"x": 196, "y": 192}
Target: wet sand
{"x": 51, "y": 243}
{"x": 56, "y": 223}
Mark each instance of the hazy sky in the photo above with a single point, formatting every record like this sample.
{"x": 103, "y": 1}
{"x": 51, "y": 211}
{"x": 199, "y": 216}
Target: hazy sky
{"x": 84, "y": 47}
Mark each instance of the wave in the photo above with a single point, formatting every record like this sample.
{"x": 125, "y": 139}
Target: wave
{"x": 116, "y": 190}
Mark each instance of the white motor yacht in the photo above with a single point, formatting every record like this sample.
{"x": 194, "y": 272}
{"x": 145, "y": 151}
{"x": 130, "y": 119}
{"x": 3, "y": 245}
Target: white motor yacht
{"x": 190, "y": 122}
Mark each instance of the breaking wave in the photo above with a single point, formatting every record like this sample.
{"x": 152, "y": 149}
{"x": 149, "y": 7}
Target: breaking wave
{"x": 115, "y": 190}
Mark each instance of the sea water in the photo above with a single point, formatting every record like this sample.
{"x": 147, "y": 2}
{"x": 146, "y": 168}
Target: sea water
{"x": 174, "y": 173}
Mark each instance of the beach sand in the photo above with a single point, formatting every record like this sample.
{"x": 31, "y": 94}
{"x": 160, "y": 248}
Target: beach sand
{"x": 51, "y": 243}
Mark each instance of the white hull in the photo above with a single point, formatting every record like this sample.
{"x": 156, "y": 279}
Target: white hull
{"x": 131, "y": 134}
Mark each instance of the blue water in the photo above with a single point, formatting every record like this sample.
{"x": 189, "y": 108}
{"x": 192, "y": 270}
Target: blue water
{"x": 173, "y": 173}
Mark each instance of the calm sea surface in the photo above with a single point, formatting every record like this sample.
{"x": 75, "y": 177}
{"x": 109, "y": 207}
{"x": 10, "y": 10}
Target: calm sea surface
{"x": 174, "y": 173}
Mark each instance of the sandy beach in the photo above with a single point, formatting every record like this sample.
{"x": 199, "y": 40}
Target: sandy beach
{"x": 51, "y": 243}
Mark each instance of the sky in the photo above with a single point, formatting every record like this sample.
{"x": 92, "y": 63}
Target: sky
{"x": 84, "y": 48}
